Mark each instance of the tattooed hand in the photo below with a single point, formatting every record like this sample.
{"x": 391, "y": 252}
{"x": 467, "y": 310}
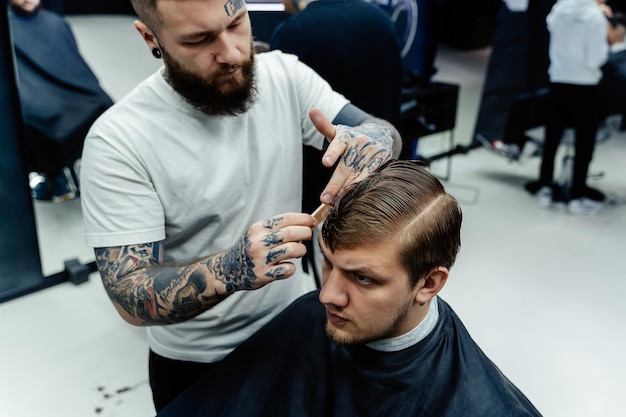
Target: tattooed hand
{"x": 260, "y": 256}
{"x": 146, "y": 292}
{"x": 362, "y": 150}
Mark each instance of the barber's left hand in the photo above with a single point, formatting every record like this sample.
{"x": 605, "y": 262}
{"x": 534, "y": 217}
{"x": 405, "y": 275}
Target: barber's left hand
{"x": 362, "y": 150}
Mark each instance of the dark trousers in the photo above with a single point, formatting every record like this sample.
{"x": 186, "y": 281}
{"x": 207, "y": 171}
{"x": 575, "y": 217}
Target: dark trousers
{"x": 169, "y": 378}
{"x": 571, "y": 106}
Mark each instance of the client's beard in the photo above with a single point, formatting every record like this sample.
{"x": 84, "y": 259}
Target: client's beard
{"x": 204, "y": 95}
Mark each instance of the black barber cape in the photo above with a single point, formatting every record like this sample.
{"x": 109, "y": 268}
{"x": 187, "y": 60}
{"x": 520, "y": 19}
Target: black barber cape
{"x": 59, "y": 94}
{"x": 290, "y": 368}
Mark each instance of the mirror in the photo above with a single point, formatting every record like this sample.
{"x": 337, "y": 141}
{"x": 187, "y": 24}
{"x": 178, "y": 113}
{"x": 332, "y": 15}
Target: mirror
{"x": 119, "y": 59}
{"x": 19, "y": 255}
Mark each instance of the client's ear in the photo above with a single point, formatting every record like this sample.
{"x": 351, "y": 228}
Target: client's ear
{"x": 432, "y": 284}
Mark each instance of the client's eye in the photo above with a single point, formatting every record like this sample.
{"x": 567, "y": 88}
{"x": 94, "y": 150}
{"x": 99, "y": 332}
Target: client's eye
{"x": 363, "y": 280}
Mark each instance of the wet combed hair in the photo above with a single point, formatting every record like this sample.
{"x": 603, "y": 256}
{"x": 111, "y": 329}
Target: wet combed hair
{"x": 403, "y": 200}
{"x": 147, "y": 12}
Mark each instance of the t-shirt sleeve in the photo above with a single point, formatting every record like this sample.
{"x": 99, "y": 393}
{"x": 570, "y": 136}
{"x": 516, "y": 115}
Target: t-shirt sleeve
{"x": 119, "y": 203}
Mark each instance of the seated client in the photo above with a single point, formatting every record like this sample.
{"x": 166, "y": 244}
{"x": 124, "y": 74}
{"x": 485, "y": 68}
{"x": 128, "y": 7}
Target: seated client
{"x": 376, "y": 339}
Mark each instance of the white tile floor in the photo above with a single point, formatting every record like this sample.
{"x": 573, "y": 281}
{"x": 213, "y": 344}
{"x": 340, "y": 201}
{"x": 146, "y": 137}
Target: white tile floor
{"x": 541, "y": 291}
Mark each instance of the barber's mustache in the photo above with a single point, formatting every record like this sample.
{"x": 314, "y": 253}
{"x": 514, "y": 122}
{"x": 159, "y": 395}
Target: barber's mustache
{"x": 226, "y": 69}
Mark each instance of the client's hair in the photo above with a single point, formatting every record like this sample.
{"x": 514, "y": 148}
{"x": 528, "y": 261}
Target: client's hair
{"x": 404, "y": 201}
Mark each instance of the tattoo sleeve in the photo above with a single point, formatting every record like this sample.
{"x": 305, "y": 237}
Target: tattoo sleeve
{"x": 147, "y": 292}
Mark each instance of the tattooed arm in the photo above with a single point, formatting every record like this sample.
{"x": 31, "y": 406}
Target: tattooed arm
{"x": 360, "y": 142}
{"x": 147, "y": 292}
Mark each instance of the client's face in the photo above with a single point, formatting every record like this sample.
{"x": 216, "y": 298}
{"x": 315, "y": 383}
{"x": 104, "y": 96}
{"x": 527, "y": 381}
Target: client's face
{"x": 367, "y": 293}
{"x": 26, "y": 5}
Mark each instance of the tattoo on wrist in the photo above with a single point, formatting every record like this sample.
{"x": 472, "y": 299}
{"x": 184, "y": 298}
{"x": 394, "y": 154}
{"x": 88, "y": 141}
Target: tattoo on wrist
{"x": 234, "y": 268}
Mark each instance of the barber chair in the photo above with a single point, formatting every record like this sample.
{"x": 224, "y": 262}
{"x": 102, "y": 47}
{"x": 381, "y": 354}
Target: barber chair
{"x": 428, "y": 109}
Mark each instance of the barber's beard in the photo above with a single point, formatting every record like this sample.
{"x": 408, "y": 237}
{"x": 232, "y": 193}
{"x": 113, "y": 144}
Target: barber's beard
{"x": 220, "y": 94}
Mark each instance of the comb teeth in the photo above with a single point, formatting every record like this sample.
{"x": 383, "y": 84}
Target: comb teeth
{"x": 320, "y": 213}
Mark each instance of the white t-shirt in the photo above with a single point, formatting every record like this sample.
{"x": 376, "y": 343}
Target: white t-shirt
{"x": 154, "y": 168}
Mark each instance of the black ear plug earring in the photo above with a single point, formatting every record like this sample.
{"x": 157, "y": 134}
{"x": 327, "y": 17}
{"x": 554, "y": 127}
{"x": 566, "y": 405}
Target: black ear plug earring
{"x": 156, "y": 52}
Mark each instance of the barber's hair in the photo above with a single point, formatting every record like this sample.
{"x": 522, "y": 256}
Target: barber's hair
{"x": 147, "y": 12}
{"x": 401, "y": 200}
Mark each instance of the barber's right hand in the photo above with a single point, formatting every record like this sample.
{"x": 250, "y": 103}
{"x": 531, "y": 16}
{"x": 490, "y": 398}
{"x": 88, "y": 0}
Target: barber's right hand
{"x": 261, "y": 256}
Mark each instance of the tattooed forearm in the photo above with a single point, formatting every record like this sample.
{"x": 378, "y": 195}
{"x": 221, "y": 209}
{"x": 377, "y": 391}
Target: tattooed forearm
{"x": 145, "y": 291}
{"x": 149, "y": 294}
{"x": 118, "y": 261}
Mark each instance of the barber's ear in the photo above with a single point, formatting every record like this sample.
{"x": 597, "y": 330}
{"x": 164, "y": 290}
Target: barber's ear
{"x": 146, "y": 34}
{"x": 431, "y": 284}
